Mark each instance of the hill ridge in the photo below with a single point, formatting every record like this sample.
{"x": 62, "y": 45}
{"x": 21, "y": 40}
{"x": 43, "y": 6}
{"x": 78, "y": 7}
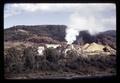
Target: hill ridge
{"x": 56, "y": 34}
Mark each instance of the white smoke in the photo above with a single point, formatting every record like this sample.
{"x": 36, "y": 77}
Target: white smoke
{"x": 90, "y": 19}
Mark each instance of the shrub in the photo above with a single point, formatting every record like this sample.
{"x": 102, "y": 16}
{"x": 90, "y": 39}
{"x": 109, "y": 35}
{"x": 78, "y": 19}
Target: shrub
{"x": 71, "y": 54}
{"x": 18, "y": 60}
{"x": 29, "y": 57}
{"x": 52, "y": 55}
{"x": 12, "y": 60}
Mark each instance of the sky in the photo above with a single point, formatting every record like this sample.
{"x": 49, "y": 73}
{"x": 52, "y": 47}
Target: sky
{"x": 103, "y": 15}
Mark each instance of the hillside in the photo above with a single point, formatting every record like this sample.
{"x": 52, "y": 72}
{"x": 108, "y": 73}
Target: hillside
{"x": 36, "y": 34}
{"x": 56, "y": 34}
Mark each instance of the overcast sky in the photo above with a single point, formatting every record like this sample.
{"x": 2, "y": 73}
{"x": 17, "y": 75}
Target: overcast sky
{"x": 102, "y": 16}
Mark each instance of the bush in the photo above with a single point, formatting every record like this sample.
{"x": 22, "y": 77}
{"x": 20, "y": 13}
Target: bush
{"x": 26, "y": 60}
{"x": 13, "y": 60}
{"x": 29, "y": 57}
{"x": 71, "y": 54}
{"x": 103, "y": 62}
{"x": 52, "y": 55}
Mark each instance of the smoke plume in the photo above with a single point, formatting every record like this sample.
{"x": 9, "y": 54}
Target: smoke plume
{"x": 91, "y": 19}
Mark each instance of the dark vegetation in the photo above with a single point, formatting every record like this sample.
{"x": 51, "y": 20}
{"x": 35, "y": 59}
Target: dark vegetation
{"x": 56, "y": 34}
{"x": 26, "y": 59}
